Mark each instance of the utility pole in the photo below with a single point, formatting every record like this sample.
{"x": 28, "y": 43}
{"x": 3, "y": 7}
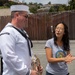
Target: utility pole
{"x": 52, "y": 30}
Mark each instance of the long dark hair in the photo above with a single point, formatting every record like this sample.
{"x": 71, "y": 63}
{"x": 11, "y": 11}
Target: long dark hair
{"x": 65, "y": 37}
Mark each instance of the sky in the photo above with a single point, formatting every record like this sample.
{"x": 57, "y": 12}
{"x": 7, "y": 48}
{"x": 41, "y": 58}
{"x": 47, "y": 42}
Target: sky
{"x": 46, "y": 1}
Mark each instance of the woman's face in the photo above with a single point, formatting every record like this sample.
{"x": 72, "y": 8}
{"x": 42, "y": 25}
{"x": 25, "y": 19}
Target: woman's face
{"x": 59, "y": 30}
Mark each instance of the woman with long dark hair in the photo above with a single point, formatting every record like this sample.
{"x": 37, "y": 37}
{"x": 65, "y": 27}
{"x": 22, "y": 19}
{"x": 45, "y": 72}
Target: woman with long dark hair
{"x": 58, "y": 51}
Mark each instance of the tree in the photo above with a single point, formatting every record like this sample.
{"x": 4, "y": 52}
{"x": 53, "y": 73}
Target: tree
{"x": 49, "y": 2}
{"x": 33, "y": 10}
{"x": 61, "y": 8}
{"x": 2, "y": 2}
{"x": 52, "y": 9}
{"x": 30, "y": 3}
{"x": 34, "y": 7}
{"x": 71, "y": 4}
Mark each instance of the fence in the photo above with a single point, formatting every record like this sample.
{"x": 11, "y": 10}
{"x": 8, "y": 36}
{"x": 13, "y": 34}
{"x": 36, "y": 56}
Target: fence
{"x": 39, "y": 25}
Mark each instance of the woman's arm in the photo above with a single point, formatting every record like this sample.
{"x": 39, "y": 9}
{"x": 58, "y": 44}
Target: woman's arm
{"x": 50, "y": 58}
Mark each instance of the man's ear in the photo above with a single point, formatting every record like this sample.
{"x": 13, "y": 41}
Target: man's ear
{"x": 16, "y": 14}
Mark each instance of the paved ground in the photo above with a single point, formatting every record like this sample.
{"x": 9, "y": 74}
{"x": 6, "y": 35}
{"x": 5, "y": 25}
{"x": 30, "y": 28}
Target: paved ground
{"x": 39, "y": 50}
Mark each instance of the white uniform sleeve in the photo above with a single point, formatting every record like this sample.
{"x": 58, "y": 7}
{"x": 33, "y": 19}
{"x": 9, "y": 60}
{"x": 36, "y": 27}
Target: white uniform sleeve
{"x": 7, "y": 45}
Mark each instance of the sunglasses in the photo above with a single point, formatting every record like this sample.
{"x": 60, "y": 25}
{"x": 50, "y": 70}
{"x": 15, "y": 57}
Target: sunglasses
{"x": 25, "y": 16}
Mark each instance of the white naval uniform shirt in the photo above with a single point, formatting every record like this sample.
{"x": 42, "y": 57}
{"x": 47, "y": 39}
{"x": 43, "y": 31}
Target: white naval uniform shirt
{"x": 15, "y": 52}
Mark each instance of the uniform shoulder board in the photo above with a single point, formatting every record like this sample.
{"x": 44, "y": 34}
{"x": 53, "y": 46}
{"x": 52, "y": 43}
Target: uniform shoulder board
{"x": 5, "y": 33}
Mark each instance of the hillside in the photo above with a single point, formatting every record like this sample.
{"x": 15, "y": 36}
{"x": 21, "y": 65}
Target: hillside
{"x": 5, "y": 12}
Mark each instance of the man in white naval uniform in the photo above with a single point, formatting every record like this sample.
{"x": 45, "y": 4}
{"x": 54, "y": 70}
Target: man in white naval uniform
{"x": 14, "y": 47}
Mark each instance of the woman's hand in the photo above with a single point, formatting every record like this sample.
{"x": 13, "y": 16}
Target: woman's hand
{"x": 69, "y": 58}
